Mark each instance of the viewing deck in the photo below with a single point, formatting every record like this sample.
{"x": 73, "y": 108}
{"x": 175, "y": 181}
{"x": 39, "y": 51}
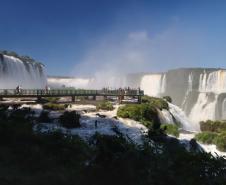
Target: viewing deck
{"x": 39, "y": 93}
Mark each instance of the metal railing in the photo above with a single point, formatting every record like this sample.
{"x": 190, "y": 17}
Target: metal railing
{"x": 69, "y": 92}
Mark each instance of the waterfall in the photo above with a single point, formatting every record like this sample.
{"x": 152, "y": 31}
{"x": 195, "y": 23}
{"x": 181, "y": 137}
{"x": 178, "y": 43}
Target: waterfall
{"x": 165, "y": 117}
{"x": 204, "y": 108}
{"x": 14, "y": 72}
{"x": 153, "y": 84}
{"x": 183, "y": 120}
{"x": 214, "y": 82}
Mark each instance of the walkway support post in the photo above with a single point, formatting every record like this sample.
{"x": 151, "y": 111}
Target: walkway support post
{"x": 73, "y": 98}
{"x": 39, "y": 98}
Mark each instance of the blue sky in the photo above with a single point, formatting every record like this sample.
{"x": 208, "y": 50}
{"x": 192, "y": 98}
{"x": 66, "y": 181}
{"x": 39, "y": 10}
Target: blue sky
{"x": 84, "y": 37}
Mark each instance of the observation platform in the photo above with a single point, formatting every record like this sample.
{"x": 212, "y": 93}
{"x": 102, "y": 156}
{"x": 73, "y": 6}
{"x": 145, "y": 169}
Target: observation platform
{"x": 39, "y": 93}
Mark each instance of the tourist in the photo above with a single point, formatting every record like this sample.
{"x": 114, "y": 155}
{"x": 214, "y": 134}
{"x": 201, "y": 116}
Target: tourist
{"x": 95, "y": 124}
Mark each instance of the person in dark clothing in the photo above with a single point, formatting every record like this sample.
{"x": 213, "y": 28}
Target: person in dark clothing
{"x": 95, "y": 124}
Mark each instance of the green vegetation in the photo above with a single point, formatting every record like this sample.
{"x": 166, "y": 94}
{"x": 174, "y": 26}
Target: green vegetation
{"x": 70, "y": 119}
{"x": 213, "y": 126}
{"x": 171, "y": 129}
{"x": 105, "y": 105}
{"x": 220, "y": 141}
{"x": 54, "y": 106}
{"x": 167, "y": 98}
{"x": 155, "y": 102}
{"x": 206, "y": 137}
{"x": 144, "y": 113}
{"x": 29, "y": 157}
{"x": 214, "y": 132}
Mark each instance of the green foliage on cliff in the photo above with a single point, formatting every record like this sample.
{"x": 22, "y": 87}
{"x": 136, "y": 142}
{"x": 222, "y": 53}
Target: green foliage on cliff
{"x": 213, "y": 126}
{"x": 206, "y": 137}
{"x": 171, "y": 129}
{"x": 219, "y": 139}
{"x": 167, "y": 98}
{"x": 155, "y": 102}
{"x": 144, "y": 113}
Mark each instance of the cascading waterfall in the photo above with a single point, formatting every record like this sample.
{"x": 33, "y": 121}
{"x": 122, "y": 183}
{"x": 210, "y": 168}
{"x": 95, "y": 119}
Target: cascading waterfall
{"x": 210, "y": 86}
{"x": 153, "y": 84}
{"x": 183, "y": 120}
{"x": 204, "y": 109}
{"x": 14, "y": 72}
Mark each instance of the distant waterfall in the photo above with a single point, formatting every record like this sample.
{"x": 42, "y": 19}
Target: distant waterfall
{"x": 14, "y": 72}
{"x": 210, "y": 86}
{"x": 153, "y": 84}
{"x": 214, "y": 82}
{"x": 204, "y": 108}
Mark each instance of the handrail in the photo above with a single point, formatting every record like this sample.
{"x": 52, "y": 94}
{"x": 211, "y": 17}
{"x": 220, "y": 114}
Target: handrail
{"x": 70, "y": 92}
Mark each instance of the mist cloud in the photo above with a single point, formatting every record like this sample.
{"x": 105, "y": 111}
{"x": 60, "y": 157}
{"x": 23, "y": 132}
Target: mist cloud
{"x": 138, "y": 51}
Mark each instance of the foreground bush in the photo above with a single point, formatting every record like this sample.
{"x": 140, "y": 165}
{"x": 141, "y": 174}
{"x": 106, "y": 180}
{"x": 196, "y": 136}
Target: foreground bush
{"x": 206, "y": 137}
{"x": 29, "y": 158}
{"x": 171, "y": 129}
{"x": 70, "y": 119}
{"x": 213, "y": 126}
{"x": 53, "y": 106}
{"x": 155, "y": 102}
{"x": 106, "y": 105}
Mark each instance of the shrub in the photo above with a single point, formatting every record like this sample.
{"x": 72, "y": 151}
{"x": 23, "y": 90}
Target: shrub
{"x": 156, "y": 102}
{"x": 206, "y": 137}
{"x": 213, "y": 126}
{"x": 106, "y": 105}
{"x": 220, "y": 141}
{"x": 145, "y": 113}
{"x": 167, "y": 98}
{"x": 171, "y": 129}
{"x": 70, "y": 119}
{"x": 53, "y": 106}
